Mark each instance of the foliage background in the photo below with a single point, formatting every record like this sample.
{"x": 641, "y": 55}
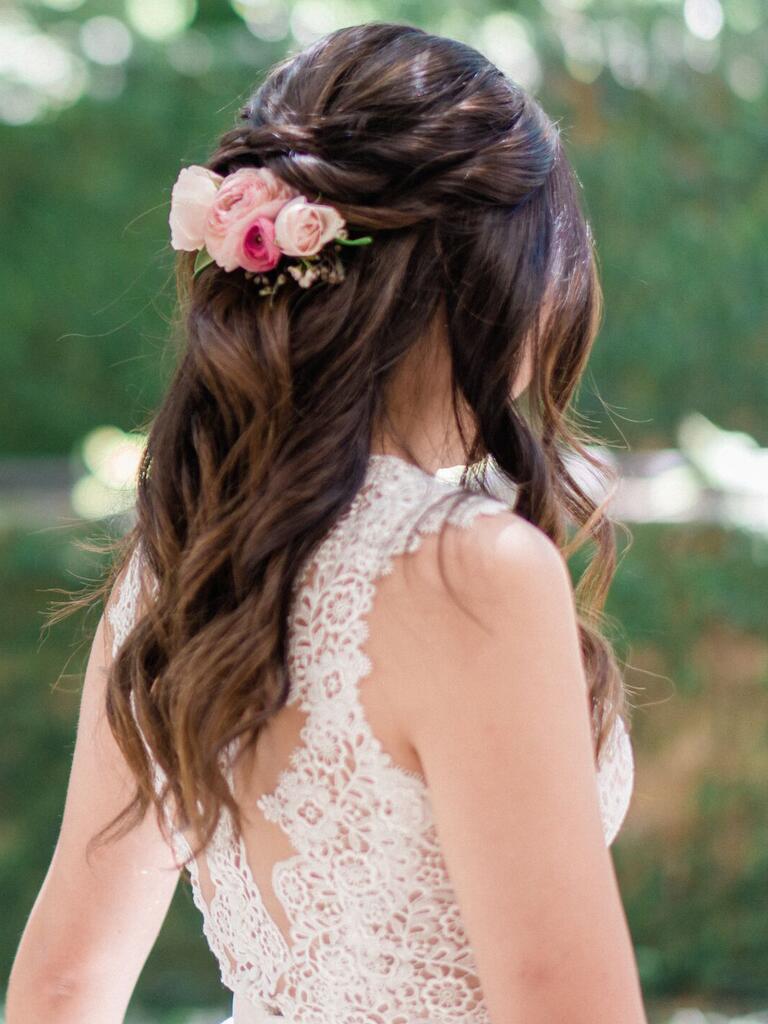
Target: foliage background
{"x": 664, "y": 107}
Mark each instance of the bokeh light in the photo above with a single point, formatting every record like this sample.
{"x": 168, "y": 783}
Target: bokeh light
{"x": 267, "y": 19}
{"x": 106, "y": 40}
{"x": 311, "y": 19}
{"x": 506, "y": 38}
{"x": 745, "y": 15}
{"x": 704, "y": 18}
{"x": 583, "y": 50}
{"x": 111, "y": 458}
{"x": 159, "y": 21}
{"x": 627, "y": 53}
{"x": 38, "y": 72}
{"x": 190, "y": 53}
{"x": 746, "y": 76}
{"x": 63, "y": 5}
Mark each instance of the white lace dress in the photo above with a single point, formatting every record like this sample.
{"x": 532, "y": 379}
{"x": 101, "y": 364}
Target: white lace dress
{"x": 364, "y": 927}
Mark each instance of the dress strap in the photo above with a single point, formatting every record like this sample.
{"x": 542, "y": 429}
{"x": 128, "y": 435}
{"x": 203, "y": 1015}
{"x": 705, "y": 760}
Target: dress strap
{"x": 122, "y": 611}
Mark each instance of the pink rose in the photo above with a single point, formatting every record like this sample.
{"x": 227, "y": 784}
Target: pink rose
{"x": 302, "y": 228}
{"x": 191, "y": 198}
{"x": 258, "y": 250}
{"x": 246, "y": 195}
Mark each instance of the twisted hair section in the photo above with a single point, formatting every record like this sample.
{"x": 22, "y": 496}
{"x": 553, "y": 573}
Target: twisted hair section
{"x": 263, "y": 437}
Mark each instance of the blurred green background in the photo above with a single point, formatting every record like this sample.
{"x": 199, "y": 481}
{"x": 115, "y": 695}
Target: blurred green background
{"x": 663, "y": 105}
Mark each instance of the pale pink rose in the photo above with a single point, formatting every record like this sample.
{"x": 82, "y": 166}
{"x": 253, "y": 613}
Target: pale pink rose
{"x": 191, "y": 198}
{"x": 258, "y": 249}
{"x": 302, "y": 228}
{"x": 247, "y": 194}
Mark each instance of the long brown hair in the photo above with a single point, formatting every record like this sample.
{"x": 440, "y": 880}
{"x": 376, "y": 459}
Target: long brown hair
{"x": 264, "y": 434}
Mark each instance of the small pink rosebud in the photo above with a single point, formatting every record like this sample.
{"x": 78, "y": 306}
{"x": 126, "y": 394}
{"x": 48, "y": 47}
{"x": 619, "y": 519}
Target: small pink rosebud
{"x": 302, "y": 228}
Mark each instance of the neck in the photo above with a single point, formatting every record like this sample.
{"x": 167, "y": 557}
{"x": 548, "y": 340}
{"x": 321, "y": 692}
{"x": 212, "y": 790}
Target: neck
{"x": 419, "y": 424}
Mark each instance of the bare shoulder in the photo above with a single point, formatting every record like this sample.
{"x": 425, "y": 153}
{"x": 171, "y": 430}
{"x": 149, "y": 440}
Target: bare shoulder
{"x": 488, "y": 566}
{"x": 496, "y": 554}
{"x": 483, "y": 611}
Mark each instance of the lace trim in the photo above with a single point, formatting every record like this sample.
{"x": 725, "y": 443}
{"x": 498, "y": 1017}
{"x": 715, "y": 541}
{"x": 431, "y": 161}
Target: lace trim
{"x": 121, "y": 613}
{"x": 615, "y": 780}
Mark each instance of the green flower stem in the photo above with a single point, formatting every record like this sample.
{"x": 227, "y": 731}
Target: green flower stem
{"x": 364, "y": 240}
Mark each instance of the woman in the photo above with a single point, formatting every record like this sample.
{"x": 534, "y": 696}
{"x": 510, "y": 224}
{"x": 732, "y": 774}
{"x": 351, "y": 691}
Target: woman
{"x": 356, "y": 700}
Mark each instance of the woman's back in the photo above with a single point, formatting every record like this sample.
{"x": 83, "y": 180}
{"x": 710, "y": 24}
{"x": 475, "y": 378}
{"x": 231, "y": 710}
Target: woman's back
{"x": 335, "y": 904}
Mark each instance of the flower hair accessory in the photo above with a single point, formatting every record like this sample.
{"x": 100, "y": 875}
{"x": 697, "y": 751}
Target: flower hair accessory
{"x": 253, "y": 220}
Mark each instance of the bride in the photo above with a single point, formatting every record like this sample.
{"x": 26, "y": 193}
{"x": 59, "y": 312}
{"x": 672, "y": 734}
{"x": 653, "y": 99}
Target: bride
{"x": 358, "y": 702}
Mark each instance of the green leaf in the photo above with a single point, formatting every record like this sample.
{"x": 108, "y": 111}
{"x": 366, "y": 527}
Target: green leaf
{"x": 363, "y": 240}
{"x": 202, "y": 260}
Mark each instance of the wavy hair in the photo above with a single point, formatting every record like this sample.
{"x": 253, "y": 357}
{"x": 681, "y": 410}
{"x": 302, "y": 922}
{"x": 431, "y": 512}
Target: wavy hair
{"x": 263, "y": 437}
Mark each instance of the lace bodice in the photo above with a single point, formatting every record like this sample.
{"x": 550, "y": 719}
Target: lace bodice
{"x": 368, "y": 930}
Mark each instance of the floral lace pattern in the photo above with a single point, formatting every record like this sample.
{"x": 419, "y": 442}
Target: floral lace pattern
{"x": 376, "y": 936}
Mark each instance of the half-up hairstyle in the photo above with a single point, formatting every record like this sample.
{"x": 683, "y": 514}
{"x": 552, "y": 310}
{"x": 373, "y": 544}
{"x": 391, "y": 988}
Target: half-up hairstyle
{"x": 264, "y": 435}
